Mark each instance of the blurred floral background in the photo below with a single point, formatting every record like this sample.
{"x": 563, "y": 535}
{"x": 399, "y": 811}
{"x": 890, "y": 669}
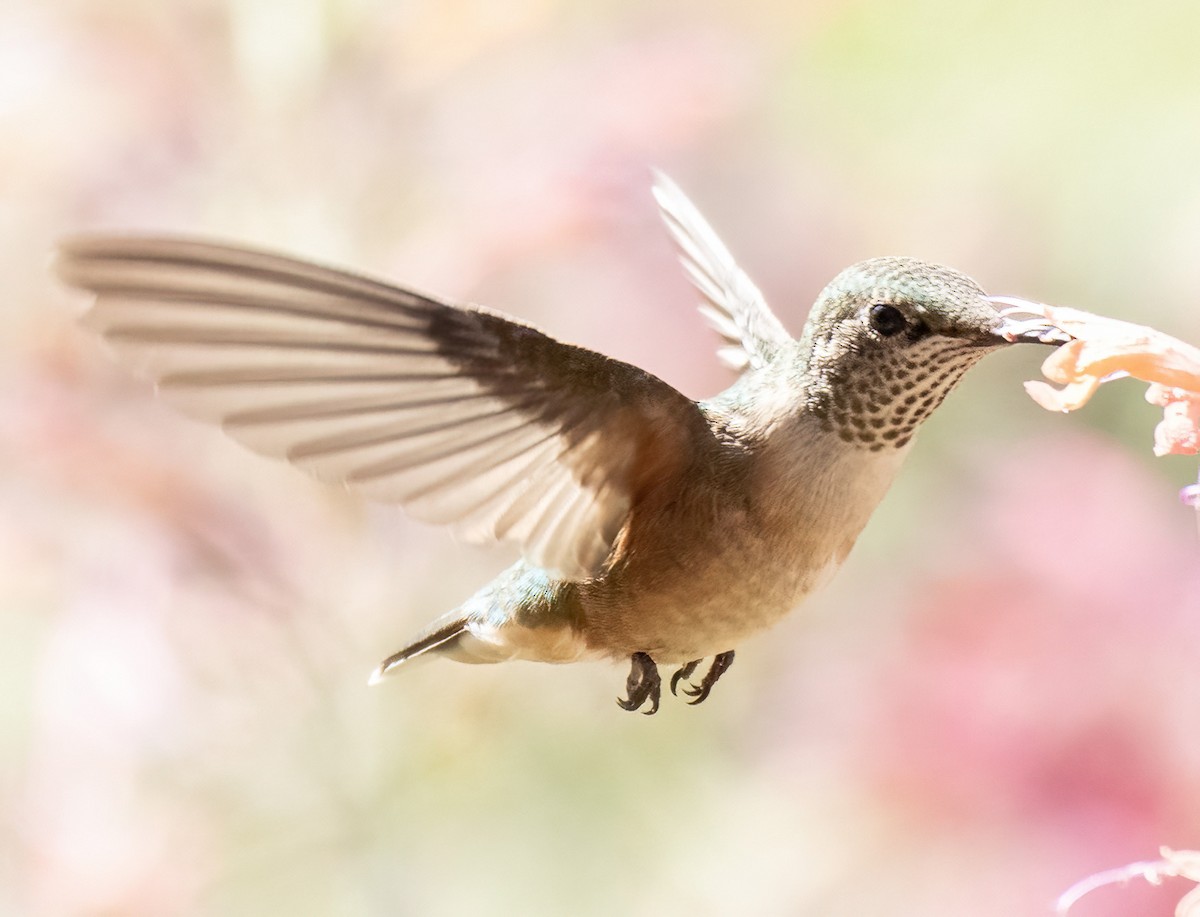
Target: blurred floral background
{"x": 995, "y": 698}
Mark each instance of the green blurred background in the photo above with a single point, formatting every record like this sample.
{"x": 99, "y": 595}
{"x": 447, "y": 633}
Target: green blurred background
{"x": 995, "y": 698}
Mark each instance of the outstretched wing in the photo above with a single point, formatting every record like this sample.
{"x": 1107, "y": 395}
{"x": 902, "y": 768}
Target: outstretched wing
{"x": 733, "y": 304}
{"x": 462, "y": 416}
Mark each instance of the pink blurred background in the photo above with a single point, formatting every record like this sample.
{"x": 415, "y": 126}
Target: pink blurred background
{"x": 996, "y": 698}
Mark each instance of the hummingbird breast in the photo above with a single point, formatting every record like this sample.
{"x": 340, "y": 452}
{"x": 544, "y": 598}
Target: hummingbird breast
{"x": 708, "y": 562}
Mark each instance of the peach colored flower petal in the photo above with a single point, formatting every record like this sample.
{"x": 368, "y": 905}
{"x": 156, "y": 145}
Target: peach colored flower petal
{"x": 1105, "y": 348}
{"x": 1069, "y": 398}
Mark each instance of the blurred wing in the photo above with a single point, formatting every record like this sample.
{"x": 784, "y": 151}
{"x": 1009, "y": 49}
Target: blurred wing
{"x": 733, "y": 304}
{"x": 462, "y": 416}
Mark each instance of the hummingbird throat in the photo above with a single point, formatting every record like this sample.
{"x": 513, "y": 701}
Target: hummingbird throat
{"x": 878, "y": 404}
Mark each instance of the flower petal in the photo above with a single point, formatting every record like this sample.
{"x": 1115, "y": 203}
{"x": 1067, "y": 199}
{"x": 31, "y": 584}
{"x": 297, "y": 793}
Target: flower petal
{"x": 1106, "y": 348}
{"x": 1179, "y": 431}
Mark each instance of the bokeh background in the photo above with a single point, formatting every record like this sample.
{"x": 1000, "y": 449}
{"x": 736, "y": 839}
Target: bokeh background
{"x": 997, "y": 697}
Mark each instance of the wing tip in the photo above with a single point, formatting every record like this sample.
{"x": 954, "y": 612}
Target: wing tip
{"x": 76, "y": 256}
{"x": 666, "y": 191}
{"x": 660, "y": 179}
{"x": 84, "y": 245}
{"x": 64, "y": 258}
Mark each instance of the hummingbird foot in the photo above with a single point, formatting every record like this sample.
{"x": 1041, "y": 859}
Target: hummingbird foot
{"x": 720, "y": 663}
{"x": 681, "y": 674}
{"x": 643, "y": 684}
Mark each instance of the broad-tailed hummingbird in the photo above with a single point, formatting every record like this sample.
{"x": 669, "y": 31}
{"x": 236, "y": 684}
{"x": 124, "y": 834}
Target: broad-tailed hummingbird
{"x": 653, "y": 528}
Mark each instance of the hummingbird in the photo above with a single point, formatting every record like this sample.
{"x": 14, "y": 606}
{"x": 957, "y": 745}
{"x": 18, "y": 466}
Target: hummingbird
{"x": 653, "y": 529}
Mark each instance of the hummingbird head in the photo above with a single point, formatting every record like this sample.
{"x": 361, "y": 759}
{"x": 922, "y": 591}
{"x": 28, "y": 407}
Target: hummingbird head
{"x": 888, "y": 339}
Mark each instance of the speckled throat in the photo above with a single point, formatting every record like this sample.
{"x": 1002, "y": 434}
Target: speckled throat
{"x": 876, "y": 404}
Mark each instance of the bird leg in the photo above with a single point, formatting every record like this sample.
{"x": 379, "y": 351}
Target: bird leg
{"x": 681, "y": 674}
{"x": 720, "y": 663}
{"x": 643, "y": 684}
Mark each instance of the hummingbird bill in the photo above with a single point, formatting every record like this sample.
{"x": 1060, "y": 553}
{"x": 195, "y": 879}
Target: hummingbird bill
{"x": 654, "y": 530}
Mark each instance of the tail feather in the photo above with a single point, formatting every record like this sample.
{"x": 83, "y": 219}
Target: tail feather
{"x": 442, "y": 637}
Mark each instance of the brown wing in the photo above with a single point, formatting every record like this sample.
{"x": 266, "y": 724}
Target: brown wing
{"x": 461, "y": 415}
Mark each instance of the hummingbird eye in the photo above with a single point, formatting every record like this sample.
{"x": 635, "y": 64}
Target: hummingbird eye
{"x": 887, "y": 320}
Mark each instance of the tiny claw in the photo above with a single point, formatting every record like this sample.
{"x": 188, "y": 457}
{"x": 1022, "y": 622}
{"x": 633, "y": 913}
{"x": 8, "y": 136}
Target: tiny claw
{"x": 721, "y": 662}
{"x": 643, "y": 684}
{"x": 684, "y": 672}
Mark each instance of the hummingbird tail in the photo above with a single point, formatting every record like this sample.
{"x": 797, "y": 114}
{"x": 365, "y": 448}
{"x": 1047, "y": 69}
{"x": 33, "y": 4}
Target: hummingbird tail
{"x": 442, "y": 637}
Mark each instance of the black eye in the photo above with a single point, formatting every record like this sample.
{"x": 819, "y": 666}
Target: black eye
{"x": 887, "y": 320}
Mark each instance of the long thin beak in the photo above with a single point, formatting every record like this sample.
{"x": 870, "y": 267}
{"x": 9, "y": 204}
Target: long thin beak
{"x": 1021, "y": 321}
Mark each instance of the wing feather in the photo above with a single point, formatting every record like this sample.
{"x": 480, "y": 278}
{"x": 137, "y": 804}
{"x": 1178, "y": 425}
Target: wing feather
{"x": 734, "y": 306}
{"x": 461, "y": 415}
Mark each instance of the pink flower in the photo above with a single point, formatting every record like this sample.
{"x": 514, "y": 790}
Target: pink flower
{"x": 1105, "y": 348}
